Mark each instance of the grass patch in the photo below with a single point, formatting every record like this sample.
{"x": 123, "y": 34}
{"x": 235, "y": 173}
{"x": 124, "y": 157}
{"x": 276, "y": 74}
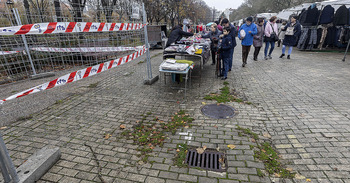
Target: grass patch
{"x": 271, "y": 160}
{"x": 93, "y": 85}
{"x": 59, "y": 101}
{"x": 180, "y": 157}
{"x": 225, "y": 96}
{"x": 268, "y": 155}
{"x": 150, "y": 134}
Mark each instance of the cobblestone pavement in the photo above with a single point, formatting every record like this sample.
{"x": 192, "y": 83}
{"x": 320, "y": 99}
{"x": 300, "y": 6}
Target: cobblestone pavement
{"x": 303, "y": 103}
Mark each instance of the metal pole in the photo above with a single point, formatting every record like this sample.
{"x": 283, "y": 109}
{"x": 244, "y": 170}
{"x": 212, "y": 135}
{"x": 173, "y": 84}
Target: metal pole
{"x": 18, "y": 20}
{"x": 4, "y": 171}
{"x": 149, "y": 68}
{"x": 7, "y": 160}
{"x": 346, "y": 52}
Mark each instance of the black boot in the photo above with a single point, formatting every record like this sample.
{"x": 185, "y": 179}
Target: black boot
{"x": 288, "y": 57}
{"x": 282, "y": 55}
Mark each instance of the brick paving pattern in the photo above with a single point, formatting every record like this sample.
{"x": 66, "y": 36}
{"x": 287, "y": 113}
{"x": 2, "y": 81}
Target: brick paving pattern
{"x": 303, "y": 103}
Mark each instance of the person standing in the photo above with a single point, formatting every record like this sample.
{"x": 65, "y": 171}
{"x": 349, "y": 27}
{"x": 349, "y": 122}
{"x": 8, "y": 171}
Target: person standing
{"x": 176, "y": 34}
{"x": 214, "y": 38}
{"x": 270, "y": 36}
{"x": 293, "y": 31}
{"x": 226, "y": 23}
{"x": 246, "y": 33}
{"x": 258, "y": 38}
{"x": 281, "y": 33}
{"x": 225, "y": 51}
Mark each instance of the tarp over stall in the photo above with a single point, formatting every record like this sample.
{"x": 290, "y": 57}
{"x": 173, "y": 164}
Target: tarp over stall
{"x": 286, "y": 13}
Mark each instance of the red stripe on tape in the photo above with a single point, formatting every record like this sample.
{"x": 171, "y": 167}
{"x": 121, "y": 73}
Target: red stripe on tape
{"x": 112, "y": 27}
{"x": 127, "y": 58}
{"x": 120, "y": 61}
{"x": 132, "y": 58}
{"x": 127, "y": 27}
{"x": 121, "y": 26}
{"x": 71, "y": 26}
{"x": 71, "y": 77}
{"x": 87, "y": 72}
{"x": 110, "y": 64}
{"x": 87, "y": 27}
{"x": 102, "y": 25}
{"x": 26, "y": 93}
{"x": 52, "y": 84}
{"x": 100, "y": 68}
{"x": 24, "y": 29}
{"x": 132, "y": 26}
{"x": 51, "y": 27}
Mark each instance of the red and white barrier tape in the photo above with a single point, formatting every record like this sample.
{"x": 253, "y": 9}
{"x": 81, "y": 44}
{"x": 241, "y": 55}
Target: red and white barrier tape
{"x": 86, "y": 49}
{"x": 9, "y": 52}
{"x": 78, "y": 75}
{"x": 69, "y": 27}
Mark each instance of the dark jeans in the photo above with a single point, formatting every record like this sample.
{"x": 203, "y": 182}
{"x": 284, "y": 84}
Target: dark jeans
{"x": 267, "y": 47}
{"x": 245, "y": 53}
{"x": 226, "y": 65}
{"x": 213, "y": 55}
{"x": 256, "y": 52}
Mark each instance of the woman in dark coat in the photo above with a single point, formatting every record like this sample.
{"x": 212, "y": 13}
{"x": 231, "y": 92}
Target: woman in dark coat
{"x": 291, "y": 40}
{"x": 176, "y": 34}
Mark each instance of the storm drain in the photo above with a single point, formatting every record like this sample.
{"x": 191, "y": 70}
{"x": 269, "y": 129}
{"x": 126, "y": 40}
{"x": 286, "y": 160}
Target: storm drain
{"x": 209, "y": 160}
{"x": 220, "y": 111}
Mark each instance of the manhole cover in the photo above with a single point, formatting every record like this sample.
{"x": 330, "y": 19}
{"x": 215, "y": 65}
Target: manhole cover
{"x": 209, "y": 160}
{"x": 218, "y": 111}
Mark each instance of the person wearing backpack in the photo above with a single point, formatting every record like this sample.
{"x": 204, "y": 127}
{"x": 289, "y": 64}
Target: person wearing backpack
{"x": 293, "y": 31}
{"x": 271, "y": 37}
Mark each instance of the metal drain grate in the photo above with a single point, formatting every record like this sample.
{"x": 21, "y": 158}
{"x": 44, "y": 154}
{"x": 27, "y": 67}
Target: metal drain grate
{"x": 209, "y": 160}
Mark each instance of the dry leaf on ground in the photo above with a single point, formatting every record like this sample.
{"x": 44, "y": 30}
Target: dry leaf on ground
{"x": 204, "y": 148}
{"x": 4, "y": 127}
{"x": 122, "y": 126}
{"x": 186, "y": 127}
{"x": 231, "y": 146}
{"x": 203, "y": 103}
{"x": 267, "y": 135}
{"x": 218, "y": 149}
{"x": 308, "y": 180}
{"x": 200, "y": 150}
{"x": 298, "y": 176}
{"x": 277, "y": 175}
{"x": 289, "y": 169}
{"x": 107, "y": 136}
{"x": 177, "y": 150}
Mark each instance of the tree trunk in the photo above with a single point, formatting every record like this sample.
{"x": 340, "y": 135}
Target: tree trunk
{"x": 58, "y": 10}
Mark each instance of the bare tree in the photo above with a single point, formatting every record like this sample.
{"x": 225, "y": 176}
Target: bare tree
{"x": 77, "y": 9}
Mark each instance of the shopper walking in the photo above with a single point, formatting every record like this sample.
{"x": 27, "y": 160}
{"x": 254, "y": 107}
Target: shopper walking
{"x": 226, "y": 23}
{"x": 214, "y": 38}
{"x": 225, "y": 51}
{"x": 271, "y": 37}
{"x": 293, "y": 31}
{"x": 246, "y": 33}
{"x": 258, "y": 38}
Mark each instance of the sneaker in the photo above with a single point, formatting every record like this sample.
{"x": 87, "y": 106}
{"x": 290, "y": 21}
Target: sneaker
{"x": 255, "y": 59}
{"x": 243, "y": 65}
{"x": 288, "y": 57}
{"x": 223, "y": 78}
{"x": 270, "y": 57}
{"x": 229, "y": 70}
{"x": 282, "y": 55}
{"x": 266, "y": 58}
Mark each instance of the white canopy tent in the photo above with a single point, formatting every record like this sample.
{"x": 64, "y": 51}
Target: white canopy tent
{"x": 286, "y": 13}
{"x": 266, "y": 15}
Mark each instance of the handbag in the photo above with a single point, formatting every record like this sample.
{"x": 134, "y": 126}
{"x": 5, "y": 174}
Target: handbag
{"x": 290, "y": 31}
{"x": 273, "y": 36}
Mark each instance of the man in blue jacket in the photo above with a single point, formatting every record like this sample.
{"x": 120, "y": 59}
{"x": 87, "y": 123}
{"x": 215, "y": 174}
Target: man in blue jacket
{"x": 246, "y": 35}
{"x": 226, "y": 23}
{"x": 225, "y": 51}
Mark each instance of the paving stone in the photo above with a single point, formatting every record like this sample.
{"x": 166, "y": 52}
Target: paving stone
{"x": 189, "y": 178}
{"x": 154, "y": 180}
{"x": 207, "y": 180}
{"x": 169, "y": 175}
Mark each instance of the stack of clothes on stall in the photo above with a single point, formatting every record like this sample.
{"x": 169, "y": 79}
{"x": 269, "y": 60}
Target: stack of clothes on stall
{"x": 176, "y": 65}
{"x": 324, "y": 28}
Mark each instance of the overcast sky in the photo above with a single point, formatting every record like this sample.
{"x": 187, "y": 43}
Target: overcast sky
{"x": 223, "y": 4}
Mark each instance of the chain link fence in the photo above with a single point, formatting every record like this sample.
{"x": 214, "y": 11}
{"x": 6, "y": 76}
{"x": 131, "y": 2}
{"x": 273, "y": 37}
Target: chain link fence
{"x": 22, "y": 56}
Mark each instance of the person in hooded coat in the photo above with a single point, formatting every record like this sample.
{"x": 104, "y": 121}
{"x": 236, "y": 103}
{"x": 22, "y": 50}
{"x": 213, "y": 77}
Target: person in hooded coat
{"x": 291, "y": 40}
{"x": 214, "y": 35}
{"x": 258, "y": 38}
{"x": 176, "y": 34}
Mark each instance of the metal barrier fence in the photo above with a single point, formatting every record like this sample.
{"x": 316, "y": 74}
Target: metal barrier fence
{"x": 22, "y": 56}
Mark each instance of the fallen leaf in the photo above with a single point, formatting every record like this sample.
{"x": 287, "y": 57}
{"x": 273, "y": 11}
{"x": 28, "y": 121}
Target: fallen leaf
{"x": 137, "y": 121}
{"x": 298, "y": 176}
{"x": 204, "y": 148}
{"x": 218, "y": 104}
{"x": 200, "y": 150}
{"x": 152, "y": 147}
{"x": 218, "y": 149}
{"x": 203, "y": 103}
{"x": 177, "y": 150}
{"x": 308, "y": 180}
{"x": 263, "y": 150}
{"x": 231, "y": 146}
{"x": 122, "y": 127}
{"x": 253, "y": 140}
{"x": 215, "y": 126}
{"x": 267, "y": 135}
{"x": 141, "y": 163}
{"x": 277, "y": 175}
{"x": 4, "y": 127}
{"x": 186, "y": 126}
{"x": 289, "y": 169}
{"x": 107, "y": 136}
